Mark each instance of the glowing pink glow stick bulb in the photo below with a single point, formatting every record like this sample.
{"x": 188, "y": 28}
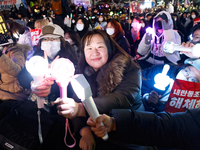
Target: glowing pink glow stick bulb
{"x": 37, "y": 66}
{"x": 62, "y": 69}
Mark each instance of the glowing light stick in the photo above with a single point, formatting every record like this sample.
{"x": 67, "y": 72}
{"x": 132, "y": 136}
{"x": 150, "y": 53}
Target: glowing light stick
{"x": 149, "y": 30}
{"x": 161, "y": 79}
{"x": 62, "y": 70}
{"x": 37, "y": 67}
{"x": 170, "y": 47}
{"x": 83, "y": 91}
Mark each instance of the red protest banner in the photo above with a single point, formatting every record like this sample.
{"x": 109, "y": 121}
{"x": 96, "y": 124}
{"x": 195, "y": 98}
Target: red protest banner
{"x": 35, "y": 34}
{"x": 184, "y": 95}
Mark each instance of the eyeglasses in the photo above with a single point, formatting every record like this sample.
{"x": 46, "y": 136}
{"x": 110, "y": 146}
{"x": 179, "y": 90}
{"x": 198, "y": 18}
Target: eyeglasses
{"x": 189, "y": 75}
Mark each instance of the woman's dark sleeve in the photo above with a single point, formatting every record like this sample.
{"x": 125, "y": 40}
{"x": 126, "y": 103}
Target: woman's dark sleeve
{"x": 178, "y": 130}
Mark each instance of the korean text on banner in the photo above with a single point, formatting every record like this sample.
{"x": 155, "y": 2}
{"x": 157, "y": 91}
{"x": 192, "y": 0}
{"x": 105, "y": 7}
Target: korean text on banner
{"x": 184, "y": 95}
{"x": 35, "y": 35}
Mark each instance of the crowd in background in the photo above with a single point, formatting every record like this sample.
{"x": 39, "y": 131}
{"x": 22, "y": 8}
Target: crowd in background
{"x": 130, "y": 57}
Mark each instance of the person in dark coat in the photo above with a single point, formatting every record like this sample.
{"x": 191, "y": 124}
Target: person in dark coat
{"x": 114, "y": 29}
{"x": 14, "y": 12}
{"x": 108, "y": 69}
{"x": 82, "y": 26}
{"x": 165, "y": 130}
{"x": 22, "y": 10}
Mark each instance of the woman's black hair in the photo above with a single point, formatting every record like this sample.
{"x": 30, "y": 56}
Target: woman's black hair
{"x": 196, "y": 27}
{"x": 18, "y": 28}
{"x": 112, "y": 46}
{"x": 75, "y": 37}
{"x": 196, "y": 13}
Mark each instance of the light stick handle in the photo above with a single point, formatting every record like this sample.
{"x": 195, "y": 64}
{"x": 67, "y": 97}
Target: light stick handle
{"x": 63, "y": 87}
{"x": 92, "y": 111}
{"x": 63, "y": 92}
{"x": 182, "y": 48}
{"x": 40, "y": 100}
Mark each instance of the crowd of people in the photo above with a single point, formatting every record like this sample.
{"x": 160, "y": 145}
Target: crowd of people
{"x": 119, "y": 55}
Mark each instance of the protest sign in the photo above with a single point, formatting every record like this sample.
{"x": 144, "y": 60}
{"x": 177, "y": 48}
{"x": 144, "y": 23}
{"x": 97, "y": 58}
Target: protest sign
{"x": 35, "y": 34}
{"x": 5, "y": 35}
{"x": 184, "y": 95}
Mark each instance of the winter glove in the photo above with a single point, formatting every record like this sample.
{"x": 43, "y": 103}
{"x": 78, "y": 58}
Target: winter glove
{"x": 165, "y": 25}
{"x": 148, "y": 39}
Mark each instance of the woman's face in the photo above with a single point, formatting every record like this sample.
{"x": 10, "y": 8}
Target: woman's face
{"x": 80, "y": 22}
{"x": 196, "y": 36}
{"x": 189, "y": 73}
{"x": 109, "y": 25}
{"x": 96, "y": 52}
{"x": 68, "y": 39}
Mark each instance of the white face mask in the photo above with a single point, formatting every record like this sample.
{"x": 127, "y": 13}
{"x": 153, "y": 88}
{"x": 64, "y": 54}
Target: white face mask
{"x": 100, "y": 19}
{"x": 73, "y": 21}
{"x": 16, "y": 35}
{"x": 193, "y": 16}
{"x": 79, "y": 27}
{"x": 110, "y": 31}
{"x": 143, "y": 25}
{"x": 68, "y": 40}
{"x": 52, "y": 48}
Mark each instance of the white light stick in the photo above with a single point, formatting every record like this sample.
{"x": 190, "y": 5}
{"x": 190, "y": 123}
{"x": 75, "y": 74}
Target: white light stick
{"x": 170, "y": 47}
{"x": 37, "y": 66}
{"x": 83, "y": 91}
{"x": 62, "y": 70}
{"x": 161, "y": 79}
{"x": 149, "y": 30}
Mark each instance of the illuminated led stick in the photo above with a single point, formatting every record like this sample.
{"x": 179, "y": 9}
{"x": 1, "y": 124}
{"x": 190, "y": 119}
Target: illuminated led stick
{"x": 161, "y": 79}
{"x": 170, "y": 47}
{"x": 37, "y": 66}
{"x": 83, "y": 91}
{"x": 62, "y": 69}
{"x": 149, "y": 30}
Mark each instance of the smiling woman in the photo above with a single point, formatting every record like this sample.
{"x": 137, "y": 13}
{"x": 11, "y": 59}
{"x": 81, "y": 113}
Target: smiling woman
{"x": 115, "y": 81}
{"x": 96, "y": 53}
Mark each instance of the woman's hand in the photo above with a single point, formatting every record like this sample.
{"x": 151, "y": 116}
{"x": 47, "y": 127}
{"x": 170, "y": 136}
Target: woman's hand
{"x": 87, "y": 141}
{"x": 67, "y": 107}
{"x": 153, "y": 97}
{"x": 44, "y": 88}
{"x": 189, "y": 54}
{"x": 102, "y": 130}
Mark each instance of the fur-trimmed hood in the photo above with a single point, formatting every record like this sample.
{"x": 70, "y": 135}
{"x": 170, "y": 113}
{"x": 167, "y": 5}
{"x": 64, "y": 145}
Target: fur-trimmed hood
{"x": 22, "y": 47}
{"x": 111, "y": 74}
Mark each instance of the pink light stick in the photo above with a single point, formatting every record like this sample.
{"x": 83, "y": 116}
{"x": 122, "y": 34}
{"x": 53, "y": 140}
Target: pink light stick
{"x": 62, "y": 69}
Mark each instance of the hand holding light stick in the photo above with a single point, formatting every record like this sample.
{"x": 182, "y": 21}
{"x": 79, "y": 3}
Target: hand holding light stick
{"x": 161, "y": 79}
{"x": 83, "y": 91}
{"x": 37, "y": 66}
{"x": 170, "y": 47}
{"x": 62, "y": 70}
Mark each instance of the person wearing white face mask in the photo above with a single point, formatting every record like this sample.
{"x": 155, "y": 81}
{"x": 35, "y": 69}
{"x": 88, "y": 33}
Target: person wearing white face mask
{"x": 82, "y": 26}
{"x": 74, "y": 40}
{"x": 194, "y": 14}
{"x": 101, "y": 23}
{"x": 150, "y": 49}
{"x": 53, "y": 43}
{"x": 114, "y": 29}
